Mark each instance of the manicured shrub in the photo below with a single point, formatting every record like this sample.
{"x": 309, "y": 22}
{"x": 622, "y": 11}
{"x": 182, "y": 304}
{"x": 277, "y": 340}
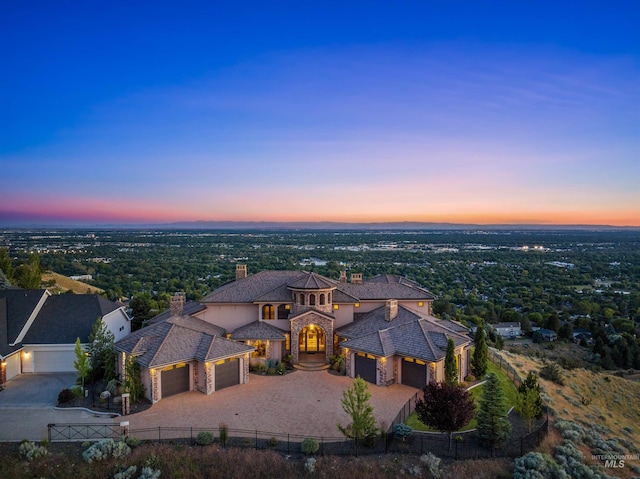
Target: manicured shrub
{"x": 271, "y": 371}
{"x": 402, "y": 431}
{"x": 132, "y": 442}
{"x": 272, "y": 442}
{"x": 65, "y": 396}
{"x": 281, "y": 369}
{"x": 309, "y": 445}
{"x": 205, "y": 438}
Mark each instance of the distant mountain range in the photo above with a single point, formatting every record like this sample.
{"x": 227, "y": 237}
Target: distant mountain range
{"x": 325, "y": 226}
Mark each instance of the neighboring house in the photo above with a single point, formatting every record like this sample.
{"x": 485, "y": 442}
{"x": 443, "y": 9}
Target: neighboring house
{"x": 579, "y": 334}
{"x": 547, "y": 334}
{"x": 38, "y": 330}
{"x": 508, "y": 330}
{"x": 383, "y": 326}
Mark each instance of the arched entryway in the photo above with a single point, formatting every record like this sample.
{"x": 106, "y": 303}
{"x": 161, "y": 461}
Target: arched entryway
{"x": 312, "y": 339}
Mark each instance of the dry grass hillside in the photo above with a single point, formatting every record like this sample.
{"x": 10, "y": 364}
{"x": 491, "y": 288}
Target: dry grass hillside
{"x": 56, "y": 283}
{"x": 600, "y": 402}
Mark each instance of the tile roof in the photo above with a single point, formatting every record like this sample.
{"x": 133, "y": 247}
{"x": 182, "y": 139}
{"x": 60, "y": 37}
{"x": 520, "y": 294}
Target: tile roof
{"x": 65, "y": 317}
{"x": 313, "y": 281}
{"x": 274, "y": 286}
{"x": 258, "y": 330}
{"x": 190, "y": 307}
{"x": 408, "y": 334}
{"x": 179, "y": 339}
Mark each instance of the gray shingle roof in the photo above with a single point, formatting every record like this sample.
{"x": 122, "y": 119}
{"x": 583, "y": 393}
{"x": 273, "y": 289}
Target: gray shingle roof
{"x": 65, "y": 317}
{"x": 367, "y": 323}
{"x": 258, "y": 330}
{"x": 246, "y": 290}
{"x": 313, "y": 281}
{"x": 18, "y": 306}
{"x": 179, "y": 339}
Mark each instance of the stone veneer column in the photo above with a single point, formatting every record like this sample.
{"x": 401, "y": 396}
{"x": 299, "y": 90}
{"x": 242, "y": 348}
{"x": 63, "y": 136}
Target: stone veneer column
{"x": 209, "y": 374}
{"x": 381, "y": 366}
{"x": 348, "y": 362}
{"x": 154, "y": 385}
{"x": 245, "y": 369}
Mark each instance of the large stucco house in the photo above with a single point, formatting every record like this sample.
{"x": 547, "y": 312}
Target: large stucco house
{"x": 382, "y": 325}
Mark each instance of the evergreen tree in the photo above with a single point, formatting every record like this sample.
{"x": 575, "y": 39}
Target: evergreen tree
{"x": 529, "y": 400}
{"x": 101, "y": 351}
{"x": 499, "y": 342}
{"x": 479, "y": 362}
{"x": 5, "y": 264}
{"x": 450, "y": 364}
{"x": 4, "y": 281}
{"x": 29, "y": 276}
{"x": 445, "y": 407}
{"x": 355, "y": 402}
{"x": 493, "y": 426}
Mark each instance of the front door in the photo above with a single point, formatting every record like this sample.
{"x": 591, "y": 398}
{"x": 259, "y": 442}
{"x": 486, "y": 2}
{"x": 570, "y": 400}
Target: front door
{"x": 312, "y": 339}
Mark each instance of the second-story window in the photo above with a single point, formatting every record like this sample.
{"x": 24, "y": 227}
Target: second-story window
{"x": 268, "y": 312}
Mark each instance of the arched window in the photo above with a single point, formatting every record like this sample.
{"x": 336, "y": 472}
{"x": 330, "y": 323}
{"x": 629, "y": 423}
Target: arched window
{"x": 283, "y": 311}
{"x": 329, "y": 298}
{"x": 268, "y": 312}
{"x": 302, "y": 299}
{"x": 322, "y": 299}
{"x": 312, "y": 300}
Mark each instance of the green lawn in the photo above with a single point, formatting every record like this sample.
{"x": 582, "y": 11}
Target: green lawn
{"x": 510, "y": 394}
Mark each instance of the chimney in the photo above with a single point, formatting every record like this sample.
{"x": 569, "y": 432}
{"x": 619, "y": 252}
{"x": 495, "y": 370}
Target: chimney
{"x": 391, "y": 310}
{"x": 356, "y": 278}
{"x": 177, "y": 304}
{"x": 343, "y": 276}
{"x": 241, "y": 271}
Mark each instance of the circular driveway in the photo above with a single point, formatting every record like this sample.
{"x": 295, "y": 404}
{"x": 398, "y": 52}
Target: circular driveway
{"x": 302, "y": 402}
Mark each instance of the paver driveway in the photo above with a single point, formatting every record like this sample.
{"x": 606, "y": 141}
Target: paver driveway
{"x": 303, "y": 402}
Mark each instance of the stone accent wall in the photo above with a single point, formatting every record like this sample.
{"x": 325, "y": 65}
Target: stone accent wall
{"x": 298, "y": 324}
{"x": 349, "y": 362}
{"x": 381, "y": 366}
{"x": 267, "y": 349}
{"x": 176, "y": 306}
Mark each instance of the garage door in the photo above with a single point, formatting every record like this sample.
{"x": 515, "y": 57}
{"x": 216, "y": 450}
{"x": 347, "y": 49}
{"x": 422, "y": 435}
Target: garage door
{"x": 227, "y": 373}
{"x": 53, "y": 361}
{"x": 414, "y": 373}
{"x": 175, "y": 379}
{"x": 366, "y": 367}
{"x": 13, "y": 366}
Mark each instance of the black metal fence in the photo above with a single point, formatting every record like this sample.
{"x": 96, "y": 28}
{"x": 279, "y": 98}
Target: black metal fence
{"x": 505, "y": 366}
{"x": 462, "y": 445}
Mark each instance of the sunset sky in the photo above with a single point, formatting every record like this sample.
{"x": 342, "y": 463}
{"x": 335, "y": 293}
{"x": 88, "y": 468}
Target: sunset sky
{"x": 446, "y": 111}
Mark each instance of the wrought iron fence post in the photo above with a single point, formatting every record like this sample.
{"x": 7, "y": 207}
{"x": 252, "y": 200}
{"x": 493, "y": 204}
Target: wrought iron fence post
{"x": 322, "y": 445}
{"x": 159, "y": 434}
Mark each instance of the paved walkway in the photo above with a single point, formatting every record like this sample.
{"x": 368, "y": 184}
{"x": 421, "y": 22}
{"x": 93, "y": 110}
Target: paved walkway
{"x": 302, "y": 402}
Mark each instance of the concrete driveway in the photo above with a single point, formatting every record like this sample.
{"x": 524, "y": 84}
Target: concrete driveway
{"x": 27, "y": 405}
{"x": 303, "y": 402}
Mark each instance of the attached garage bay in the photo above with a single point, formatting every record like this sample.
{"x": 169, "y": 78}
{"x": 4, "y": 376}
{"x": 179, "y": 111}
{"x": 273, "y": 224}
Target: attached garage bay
{"x": 227, "y": 373}
{"x": 175, "y": 379}
{"x": 414, "y": 373}
{"x": 366, "y": 367}
{"x": 53, "y": 361}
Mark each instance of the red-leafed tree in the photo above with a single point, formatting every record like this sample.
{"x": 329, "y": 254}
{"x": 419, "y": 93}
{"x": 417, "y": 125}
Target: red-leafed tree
{"x": 445, "y": 407}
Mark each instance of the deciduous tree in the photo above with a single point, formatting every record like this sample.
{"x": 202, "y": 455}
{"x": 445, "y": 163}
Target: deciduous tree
{"x": 101, "y": 351}
{"x": 355, "y": 402}
{"x": 445, "y": 407}
{"x": 529, "y": 401}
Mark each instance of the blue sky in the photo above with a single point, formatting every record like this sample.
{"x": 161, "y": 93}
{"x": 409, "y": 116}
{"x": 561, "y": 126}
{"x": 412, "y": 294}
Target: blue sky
{"x": 487, "y": 112}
